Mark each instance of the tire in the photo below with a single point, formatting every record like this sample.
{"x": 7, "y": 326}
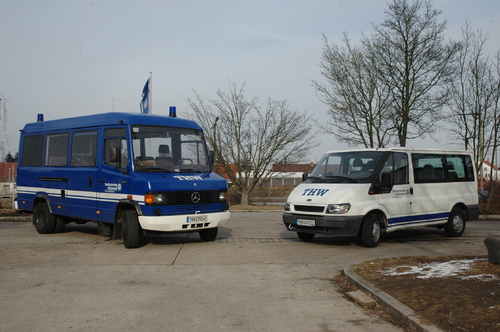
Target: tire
{"x": 60, "y": 224}
{"x": 209, "y": 234}
{"x": 371, "y": 231}
{"x": 44, "y": 221}
{"x": 130, "y": 229}
{"x": 306, "y": 236}
{"x": 455, "y": 226}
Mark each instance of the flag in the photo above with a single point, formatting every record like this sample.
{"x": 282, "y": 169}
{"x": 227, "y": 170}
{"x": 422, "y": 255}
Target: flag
{"x": 145, "y": 98}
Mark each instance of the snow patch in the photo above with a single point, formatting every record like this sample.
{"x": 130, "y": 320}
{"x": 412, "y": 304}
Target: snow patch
{"x": 453, "y": 268}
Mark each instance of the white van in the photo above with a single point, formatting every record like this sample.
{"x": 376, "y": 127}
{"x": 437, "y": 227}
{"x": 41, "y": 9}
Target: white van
{"x": 361, "y": 192}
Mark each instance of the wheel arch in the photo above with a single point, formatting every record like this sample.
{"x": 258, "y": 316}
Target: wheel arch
{"x": 126, "y": 204}
{"x": 42, "y": 198}
{"x": 122, "y": 206}
{"x": 382, "y": 217}
{"x": 461, "y": 206}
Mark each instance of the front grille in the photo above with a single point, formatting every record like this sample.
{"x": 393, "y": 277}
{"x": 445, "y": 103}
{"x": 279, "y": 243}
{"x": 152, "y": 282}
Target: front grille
{"x": 193, "y": 208}
{"x": 173, "y": 198}
{"x": 309, "y": 208}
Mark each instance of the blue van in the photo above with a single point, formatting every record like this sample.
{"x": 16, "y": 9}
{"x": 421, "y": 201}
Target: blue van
{"x": 131, "y": 173}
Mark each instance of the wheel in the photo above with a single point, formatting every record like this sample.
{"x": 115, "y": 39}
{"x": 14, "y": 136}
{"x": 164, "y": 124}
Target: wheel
{"x": 44, "y": 221}
{"x": 455, "y": 226}
{"x": 370, "y": 231}
{"x": 305, "y": 236}
{"x": 209, "y": 234}
{"x": 60, "y": 224}
{"x": 130, "y": 229}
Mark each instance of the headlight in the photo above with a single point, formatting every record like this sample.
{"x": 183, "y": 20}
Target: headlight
{"x": 287, "y": 206}
{"x": 338, "y": 208}
{"x": 154, "y": 199}
{"x": 223, "y": 196}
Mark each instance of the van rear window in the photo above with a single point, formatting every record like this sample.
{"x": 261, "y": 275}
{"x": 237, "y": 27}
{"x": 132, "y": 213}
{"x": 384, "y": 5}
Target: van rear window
{"x": 57, "y": 150}
{"x": 32, "y": 151}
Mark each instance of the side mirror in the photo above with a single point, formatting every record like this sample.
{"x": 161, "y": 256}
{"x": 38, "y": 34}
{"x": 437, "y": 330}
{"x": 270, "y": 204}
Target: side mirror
{"x": 304, "y": 176}
{"x": 115, "y": 154}
{"x": 386, "y": 180}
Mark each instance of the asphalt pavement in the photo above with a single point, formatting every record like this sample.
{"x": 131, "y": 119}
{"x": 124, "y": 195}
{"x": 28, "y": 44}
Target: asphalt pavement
{"x": 255, "y": 276}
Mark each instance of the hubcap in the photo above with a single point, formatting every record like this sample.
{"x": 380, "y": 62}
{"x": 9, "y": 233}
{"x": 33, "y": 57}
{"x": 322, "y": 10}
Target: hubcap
{"x": 376, "y": 231}
{"x": 458, "y": 223}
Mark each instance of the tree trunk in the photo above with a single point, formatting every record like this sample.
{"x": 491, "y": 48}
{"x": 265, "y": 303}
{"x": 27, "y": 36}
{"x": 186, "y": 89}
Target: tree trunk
{"x": 244, "y": 198}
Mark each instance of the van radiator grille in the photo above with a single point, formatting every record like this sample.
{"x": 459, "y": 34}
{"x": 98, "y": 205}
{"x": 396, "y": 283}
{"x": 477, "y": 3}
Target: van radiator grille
{"x": 186, "y": 197}
{"x": 309, "y": 208}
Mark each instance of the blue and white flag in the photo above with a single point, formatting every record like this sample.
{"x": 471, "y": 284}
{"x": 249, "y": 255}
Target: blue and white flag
{"x": 145, "y": 98}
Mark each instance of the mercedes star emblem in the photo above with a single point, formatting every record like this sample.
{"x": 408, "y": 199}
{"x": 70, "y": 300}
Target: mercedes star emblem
{"x": 195, "y": 197}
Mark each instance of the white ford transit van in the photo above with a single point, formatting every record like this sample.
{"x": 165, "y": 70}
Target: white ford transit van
{"x": 361, "y": 192}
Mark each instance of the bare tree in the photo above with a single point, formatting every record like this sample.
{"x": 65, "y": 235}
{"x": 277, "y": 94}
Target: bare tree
{"x": 3, "y": 119}
{"x": 414, "y": 63}
{"x": 496, "y": 135}
{"x": 358, "y": 103}
{"x": 248, "y": 138}
{"x": 474, "y": 97}
{"x": 393, "y": 87}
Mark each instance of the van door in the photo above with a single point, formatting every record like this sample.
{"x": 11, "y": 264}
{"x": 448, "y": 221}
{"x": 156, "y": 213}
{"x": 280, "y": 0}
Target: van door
{"x": 397, "y": 196}
{"x": 430, "y": 188}
{"x": 56, "y": 175}
{"x": 81, "y": 195}
{"x": 113, "y": 175}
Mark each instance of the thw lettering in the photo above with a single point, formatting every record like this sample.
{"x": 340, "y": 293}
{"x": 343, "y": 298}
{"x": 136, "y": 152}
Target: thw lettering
{"x": 315, "y": 192}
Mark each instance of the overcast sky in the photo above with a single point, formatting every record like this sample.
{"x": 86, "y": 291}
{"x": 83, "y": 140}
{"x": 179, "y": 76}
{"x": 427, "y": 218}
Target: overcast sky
{"x": 67, "y": 58}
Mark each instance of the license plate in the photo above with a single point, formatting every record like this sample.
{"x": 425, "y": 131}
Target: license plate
{"x": 306, "y": 222}
{"x": 197, "y": 219}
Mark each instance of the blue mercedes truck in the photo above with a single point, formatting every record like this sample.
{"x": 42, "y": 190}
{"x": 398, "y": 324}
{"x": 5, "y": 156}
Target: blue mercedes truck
{"x": 130, "y": 173}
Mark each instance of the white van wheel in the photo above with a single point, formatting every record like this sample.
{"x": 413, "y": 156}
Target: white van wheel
{"x": 455, "y": 226}
{"x": 305, "y": 236}
{"x": 370, "y": 231}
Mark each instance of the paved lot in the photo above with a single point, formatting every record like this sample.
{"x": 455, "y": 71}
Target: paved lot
{"x": 255, "y": 276}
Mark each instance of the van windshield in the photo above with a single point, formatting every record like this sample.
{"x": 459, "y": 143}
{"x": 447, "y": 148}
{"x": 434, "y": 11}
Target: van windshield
{"x": 348, "y": 167}
{"x": 169, "y": 150}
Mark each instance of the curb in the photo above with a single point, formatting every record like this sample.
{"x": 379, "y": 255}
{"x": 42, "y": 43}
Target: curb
{"x": 402, "y": 313}
{"x": 16, "y": 218}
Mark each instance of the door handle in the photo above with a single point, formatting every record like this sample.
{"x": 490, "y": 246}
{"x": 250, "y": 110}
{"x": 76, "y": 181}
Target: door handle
{"x": 411, "y": 191}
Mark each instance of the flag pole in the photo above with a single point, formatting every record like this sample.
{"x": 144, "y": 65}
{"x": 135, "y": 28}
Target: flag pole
{"x": 150, "y": 105}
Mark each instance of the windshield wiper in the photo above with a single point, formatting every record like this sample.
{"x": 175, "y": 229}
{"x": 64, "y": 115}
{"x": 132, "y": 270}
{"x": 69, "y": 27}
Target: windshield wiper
{"x": 343, "y": 178}
{"x": 156, "y": 169}
{"x": 316, "y": 179}
{"x": 190, "y": 170}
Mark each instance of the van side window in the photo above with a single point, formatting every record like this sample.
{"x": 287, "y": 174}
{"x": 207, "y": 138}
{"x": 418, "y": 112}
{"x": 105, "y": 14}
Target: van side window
{"x": 397, "y": 167}
{"x": 32, "y": 151}
{"x": 428, "y": 168}
{"x": 83, "y": 149}
{"x": 459, "y": 168}
{"x": 56, "y": 150}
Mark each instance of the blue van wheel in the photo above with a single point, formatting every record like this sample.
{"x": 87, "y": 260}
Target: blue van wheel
{"x": 44, "y": 221}
{"x": 130, "y": 229}
{"x": 208, "y": 234}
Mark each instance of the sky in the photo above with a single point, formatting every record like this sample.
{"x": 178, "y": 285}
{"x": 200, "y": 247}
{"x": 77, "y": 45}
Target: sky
{"x": 65, "y": 58}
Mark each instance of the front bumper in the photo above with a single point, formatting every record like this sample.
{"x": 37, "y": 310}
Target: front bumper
{"x": 338, "y": 225}
{"x": 185, "y": 222}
